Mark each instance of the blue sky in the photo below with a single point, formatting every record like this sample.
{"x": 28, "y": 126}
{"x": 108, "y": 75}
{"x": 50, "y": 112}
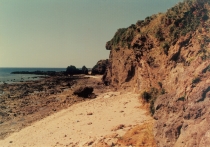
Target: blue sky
{"x": 58, "y": 33}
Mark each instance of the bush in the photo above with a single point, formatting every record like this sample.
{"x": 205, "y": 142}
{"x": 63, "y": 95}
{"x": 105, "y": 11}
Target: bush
{"x": 84, "y": 70}
{"x": 150, "y": 98}
{"x": 159, "y": 35}
{"x": 152, "y": 107}
{"x": 146, "y": 96}
{"x": 162, "y": 91}
{"x": 165, "y": 47}
{"x": 160, "y": 84}
{"x": 71, "y": 70}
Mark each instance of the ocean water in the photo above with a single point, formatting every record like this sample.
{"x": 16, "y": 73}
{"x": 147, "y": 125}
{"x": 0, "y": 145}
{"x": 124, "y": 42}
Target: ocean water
{"x": 7, "y": 77}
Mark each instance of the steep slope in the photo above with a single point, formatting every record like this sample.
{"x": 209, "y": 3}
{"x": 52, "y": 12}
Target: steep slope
{"x": 165, "y": 58}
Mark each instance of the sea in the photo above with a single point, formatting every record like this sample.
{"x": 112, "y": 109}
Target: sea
{"x": 7, "y": 77}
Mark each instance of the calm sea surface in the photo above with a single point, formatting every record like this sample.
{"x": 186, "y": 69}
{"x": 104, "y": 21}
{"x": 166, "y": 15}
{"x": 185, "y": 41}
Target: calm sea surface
{"x": 6, "y": 76}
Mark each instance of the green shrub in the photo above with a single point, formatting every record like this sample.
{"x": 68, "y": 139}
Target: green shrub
{"x": 146, "y": 96}
{"x": 159, "y": 35}
{"x": 71, "y": 70}
{"x": 162, "y": 91}
{"x": 152, "y": 107}
{"x": 160, "y": 84}
{"x": 150, "y": 98}
{"x": 84, "y": 70}
{"x": 165, "y": 47}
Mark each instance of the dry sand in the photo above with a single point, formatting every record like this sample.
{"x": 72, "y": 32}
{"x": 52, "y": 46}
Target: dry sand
{"x": 83, "y": 124}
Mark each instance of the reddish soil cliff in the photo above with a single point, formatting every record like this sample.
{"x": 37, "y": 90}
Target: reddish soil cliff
{"x": 165, "y": 58}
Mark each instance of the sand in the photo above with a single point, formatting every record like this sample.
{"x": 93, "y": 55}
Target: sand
{"x": 83, "y": 124}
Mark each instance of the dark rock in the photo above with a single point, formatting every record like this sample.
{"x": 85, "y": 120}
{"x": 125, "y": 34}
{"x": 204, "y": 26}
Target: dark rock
{"x": 100, "y": 67}
{"x": 83, "y": 91}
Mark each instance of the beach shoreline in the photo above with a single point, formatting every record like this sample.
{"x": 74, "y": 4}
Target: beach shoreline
{"x": 73, "y": 121}
{"x": 26, "y": 102}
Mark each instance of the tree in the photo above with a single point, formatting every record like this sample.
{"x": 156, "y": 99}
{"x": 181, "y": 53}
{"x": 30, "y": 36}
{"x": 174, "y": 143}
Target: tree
{"x": 71, "y": 70}
{"x": 84, "y": 70}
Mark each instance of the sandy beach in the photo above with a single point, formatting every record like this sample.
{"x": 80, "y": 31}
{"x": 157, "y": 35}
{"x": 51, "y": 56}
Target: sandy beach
{"x": 102, "y": 120}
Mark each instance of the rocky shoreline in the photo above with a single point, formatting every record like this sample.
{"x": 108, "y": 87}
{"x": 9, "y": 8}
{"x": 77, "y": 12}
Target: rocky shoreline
{"x": 26, "y": 102}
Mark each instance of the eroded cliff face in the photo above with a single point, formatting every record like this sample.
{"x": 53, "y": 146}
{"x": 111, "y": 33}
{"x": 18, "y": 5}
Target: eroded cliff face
{"x": 167, "y": 57}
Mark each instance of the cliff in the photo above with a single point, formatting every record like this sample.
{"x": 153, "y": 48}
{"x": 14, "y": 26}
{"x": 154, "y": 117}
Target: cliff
{"x": 165, "y": 58}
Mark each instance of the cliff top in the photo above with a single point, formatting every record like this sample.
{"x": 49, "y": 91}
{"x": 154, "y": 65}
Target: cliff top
{"x": 186, "y": 17}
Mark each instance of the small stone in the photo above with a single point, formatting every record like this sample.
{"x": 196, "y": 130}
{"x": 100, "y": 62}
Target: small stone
{"x": 114, "y": 135}
{"x": 90, "y": 123}
{"x": 11, "y": 142}
{"x": 121, "y": 126}
{"x": 90, "y": 143}
{"x": 90, "y": 113}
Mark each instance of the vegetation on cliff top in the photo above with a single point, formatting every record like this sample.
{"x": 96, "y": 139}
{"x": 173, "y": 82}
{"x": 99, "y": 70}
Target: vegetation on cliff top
{"x": 186, "y": 17}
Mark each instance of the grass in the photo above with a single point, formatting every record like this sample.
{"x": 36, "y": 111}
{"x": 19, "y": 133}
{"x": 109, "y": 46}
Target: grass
{"x": 165, "y": 46}
{"x": 150, "y": 98}
{"x": 140, "y": 135}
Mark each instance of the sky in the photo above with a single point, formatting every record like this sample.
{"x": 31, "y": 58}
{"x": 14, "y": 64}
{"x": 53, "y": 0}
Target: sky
{"x": 59, "y": 33}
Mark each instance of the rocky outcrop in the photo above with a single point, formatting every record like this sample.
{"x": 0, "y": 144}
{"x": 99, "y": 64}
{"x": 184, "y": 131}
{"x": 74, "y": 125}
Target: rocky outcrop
{"x": 83, "y": 91}
{"x": 72, "y": 70}
{"x": 100, "y": 67}
{"x": 166, "y": 57}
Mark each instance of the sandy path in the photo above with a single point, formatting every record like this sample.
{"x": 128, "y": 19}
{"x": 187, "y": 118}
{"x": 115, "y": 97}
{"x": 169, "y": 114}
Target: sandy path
{"x": 82, "y": 124}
